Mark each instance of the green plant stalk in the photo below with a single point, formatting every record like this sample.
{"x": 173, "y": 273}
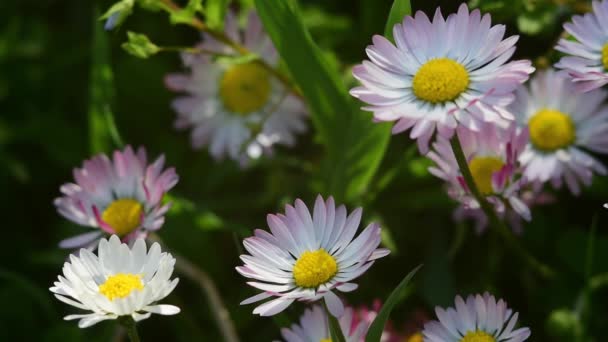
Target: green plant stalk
{"x": 129, "y": 324}
{"x": 335, "y": 331}
{"x": 500, "y": 227}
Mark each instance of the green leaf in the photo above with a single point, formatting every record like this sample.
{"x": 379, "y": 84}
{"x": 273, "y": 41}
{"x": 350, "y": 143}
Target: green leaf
{"x": 335, "y": 330}
{"x": 375, "y": 330}
{"x": 188, "y": 13}
{"x": 102, "y": 130}
{"x": 399, "y": 10}
{"x": 354, "y": 144}
{"x": 215, "y": 12}
{"x": 139, "y": 45}
{"x": 117, "y": 14}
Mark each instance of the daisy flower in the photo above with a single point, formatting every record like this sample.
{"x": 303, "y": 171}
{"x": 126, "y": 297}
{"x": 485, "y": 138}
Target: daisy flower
{"x": 314, "y": 326}
{"x": 562, "y": 127}
{"x": 306, "y": 257}
{"x": 492, "y": 155}
{"x": 119, "y": 281}
{"x": 479, "y": 319}
{"x": 441, "y": 74}
{"x": 239, "y": 110}
{"x": 587, "y": 63}
{"x": 120, "y": 196}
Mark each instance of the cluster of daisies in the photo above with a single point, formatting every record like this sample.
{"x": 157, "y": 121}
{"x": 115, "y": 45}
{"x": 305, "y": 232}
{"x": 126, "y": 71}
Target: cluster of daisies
{"x": 442, "y": 79}
{"x": 450, "y": 78}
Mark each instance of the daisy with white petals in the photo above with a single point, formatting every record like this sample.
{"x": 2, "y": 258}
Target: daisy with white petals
{"x": 587, "y": 60}
{"x": 441, "y": 74}
{"x": 119, "y": 281}
{"x": 492, "y": 156}
{"x": 314, "y": 327}
{"x": 562, "y": 127}
{"x": 239, "y": 109}
{"x": 306, "y": 257}
{"x": 122, "y": 196}
{"x": 479, "y": 319}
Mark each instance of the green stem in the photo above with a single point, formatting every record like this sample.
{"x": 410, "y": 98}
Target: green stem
{"x": 129, "y": 324}
{"x": 335, "y": 331}
{"x": 495, "y": 221}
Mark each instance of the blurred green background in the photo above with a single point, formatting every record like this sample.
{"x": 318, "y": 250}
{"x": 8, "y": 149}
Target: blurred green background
{"x": 47, "y": 95}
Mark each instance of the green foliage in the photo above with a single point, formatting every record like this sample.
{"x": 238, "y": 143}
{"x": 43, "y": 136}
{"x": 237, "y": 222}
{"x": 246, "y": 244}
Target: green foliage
{"x": 353, "y": 155}
{"x": 118, "y": 13}
{"x": 399, "y": 10}
{"x": 103, "y": 134}
{"x": 334, "y": 329}
{"x": 215, "y": 11}
{"x": 375, "y": 330}
{"x": 188, "y": 13}
{"x": 139, "y": 45}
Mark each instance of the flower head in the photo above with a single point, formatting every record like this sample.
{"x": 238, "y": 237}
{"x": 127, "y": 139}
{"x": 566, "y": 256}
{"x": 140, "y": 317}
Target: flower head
{"x": 492, "y": 156}
{"x": 306, "y": 257}
{"x": 561, "y": 127}
{"x": 119, "y": 281}
{"x": 441, "y": 74}
{"x": 120, "y": 196}
{"x": 479, "y": 319}
{"x": 587, "y": 60}
{"x": 237, "y": 108}
{"x": 314, "y": 327}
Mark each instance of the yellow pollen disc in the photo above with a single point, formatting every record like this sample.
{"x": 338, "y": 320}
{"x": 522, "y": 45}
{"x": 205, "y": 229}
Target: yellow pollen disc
{"x": 440, "y": 80}
{"x": 245, "y": 88}
{"x": 314, "y": 268}
{"x": 325, "y": 340}
{"x": 551, "y": 130}
{"x": 417, "y": 337}
{"x": 478, "y": 336}
{"x": 123, "y": 215}
{"x": 605, "y": 56}
{"x": 482, "y": 169}
{"x": 120, "y": 285}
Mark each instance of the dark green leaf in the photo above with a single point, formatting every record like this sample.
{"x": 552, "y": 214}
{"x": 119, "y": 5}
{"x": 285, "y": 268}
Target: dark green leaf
{"x": 375, "y": 330}
{"x": 400, "y": 9}
{"x": 354, "y": 145}
{"x": 102, "y": 130}
{"x": 334, "y": 329}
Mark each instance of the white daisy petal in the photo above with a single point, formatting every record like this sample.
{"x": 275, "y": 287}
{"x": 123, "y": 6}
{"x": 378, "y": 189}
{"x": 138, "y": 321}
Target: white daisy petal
{"x": 115, "y": 284}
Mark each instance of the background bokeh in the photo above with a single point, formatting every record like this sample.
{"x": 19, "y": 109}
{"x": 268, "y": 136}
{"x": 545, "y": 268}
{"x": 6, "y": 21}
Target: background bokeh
{"x": 46, "y": 59}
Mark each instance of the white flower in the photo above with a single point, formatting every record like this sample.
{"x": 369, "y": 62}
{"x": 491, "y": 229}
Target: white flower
{"x": 306, "y": 257}
{"x": 118, "y": 282}
{"x": 587, "y": 63}
{"x": 120, "y": 196}
{"x": 491, "y": 155}
{"x": 239, "y": 109}
{"x": 562, "y": 126}
{"x": 479, "y": 319}
{"x": 441, "y": 74}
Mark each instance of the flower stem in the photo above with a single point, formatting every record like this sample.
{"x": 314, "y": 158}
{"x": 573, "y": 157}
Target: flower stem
{"x": 495, "y": 221}
{"x": 216, "y": 305}
{"x": 129, "y": 324}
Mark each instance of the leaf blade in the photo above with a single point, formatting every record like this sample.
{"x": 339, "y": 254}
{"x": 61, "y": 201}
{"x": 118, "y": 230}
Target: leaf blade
{"x": 399, "y": 10}
{"x": 375, "y": 330}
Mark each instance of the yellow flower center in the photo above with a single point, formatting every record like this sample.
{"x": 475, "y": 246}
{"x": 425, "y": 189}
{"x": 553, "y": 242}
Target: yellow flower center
{"x": 123, "y": 215}
{"x": 325, "y": 340}
{"x": 245, "y": 88}
{"x": 417, "y": 337}
{"x": 478, "y": 336}
{"x": 482, "y": 169}
{"x": 440, "y": 80}
{"x": 314, "y": 268}
{"x": 605, "y": 56}
{"x": 121, "y": 285}
{"x": 551, "y": 130}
